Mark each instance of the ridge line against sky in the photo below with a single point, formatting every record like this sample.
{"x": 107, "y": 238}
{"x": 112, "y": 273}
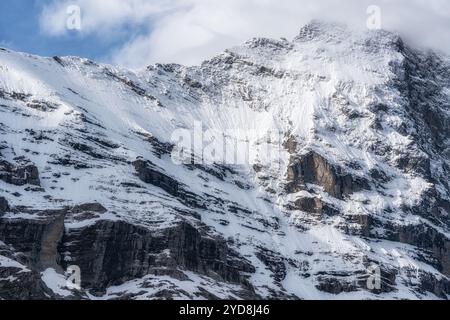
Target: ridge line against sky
{"x": 136, "y": 33}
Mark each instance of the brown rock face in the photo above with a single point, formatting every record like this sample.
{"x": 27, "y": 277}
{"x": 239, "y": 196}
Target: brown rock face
{"x": 315, "y": 206}
{"x": 314, "y": 169}
{"x": 311, "y": 205}
{"x": 52, "y": 236}
{"x": 37, "y": 239}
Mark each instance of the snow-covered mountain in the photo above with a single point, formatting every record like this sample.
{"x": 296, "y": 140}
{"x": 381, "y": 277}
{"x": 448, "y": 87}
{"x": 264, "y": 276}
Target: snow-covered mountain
{"x": 319, "y": 170}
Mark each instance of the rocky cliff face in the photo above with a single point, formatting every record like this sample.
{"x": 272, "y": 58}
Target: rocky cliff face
{"x": 314, "y": 168}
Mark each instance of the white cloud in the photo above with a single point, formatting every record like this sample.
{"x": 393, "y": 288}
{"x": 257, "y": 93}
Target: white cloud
{"x": 188, "y": 31}
{"x": 101, "y": 16}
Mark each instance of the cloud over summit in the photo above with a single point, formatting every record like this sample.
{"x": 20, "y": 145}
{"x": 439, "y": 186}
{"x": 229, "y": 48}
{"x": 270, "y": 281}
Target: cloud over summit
{"x": 189, "y": 31}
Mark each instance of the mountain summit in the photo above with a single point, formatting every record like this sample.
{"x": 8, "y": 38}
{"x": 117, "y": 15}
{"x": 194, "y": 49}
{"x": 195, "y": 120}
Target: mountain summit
{"x": 315, "y": 168}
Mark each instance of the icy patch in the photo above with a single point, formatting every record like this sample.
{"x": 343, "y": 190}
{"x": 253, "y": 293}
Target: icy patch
{"x": 56, "y": 282}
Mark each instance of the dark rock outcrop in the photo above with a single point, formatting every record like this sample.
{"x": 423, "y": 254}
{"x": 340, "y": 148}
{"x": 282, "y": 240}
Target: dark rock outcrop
{"x": 274, "y": 263}
{"x": 315, "y": 206}
{"x": 159, "y": 148}
{"x": 85, "y": 212}
{"x": 41, "y": 105}
{"x": 17, "y": 284}
{"x": 17, "y": 281}
{"x": 426, "y": 238}
{"x": 387, "y": 279}
{"x": 4, "y": 206}
{"x": 439, "y": 287}
{"x": 335, "y": 285}
{"x": 112, "y": 252}
{"x": 358, "y": 224}
{"x": 37, "y": 239}
{"x": 19, "y": 175}
{"x": 150, "y": 174}
{"x": 89, "y": 207}
{"x": 379, "y": 280}
{"x": 314, "y": 169}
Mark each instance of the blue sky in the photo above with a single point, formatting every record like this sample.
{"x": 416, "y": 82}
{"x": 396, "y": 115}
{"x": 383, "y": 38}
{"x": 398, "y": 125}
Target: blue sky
{"x": 136, "y": 33}
{"x": 20, "y": 30}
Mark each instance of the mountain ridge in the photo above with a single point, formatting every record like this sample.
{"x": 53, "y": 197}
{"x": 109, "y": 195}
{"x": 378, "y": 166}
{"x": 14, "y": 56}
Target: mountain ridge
{"x": 347, "y": 147}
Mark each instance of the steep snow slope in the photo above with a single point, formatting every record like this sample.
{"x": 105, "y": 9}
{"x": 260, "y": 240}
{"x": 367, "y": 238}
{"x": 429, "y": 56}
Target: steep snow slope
{"x": 329, "y": 167}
